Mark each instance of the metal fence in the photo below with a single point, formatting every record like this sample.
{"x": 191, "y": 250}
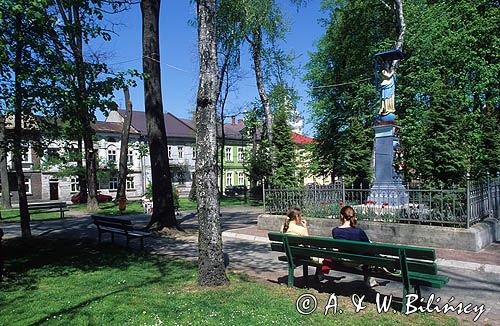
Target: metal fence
{"x": 458, "y": 207}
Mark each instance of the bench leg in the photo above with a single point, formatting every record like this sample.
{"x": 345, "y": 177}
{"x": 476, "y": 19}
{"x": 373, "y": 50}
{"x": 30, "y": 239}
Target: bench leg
{"x": 418, "y": 292}
{"x": 128, "y": 241}
{"x": 112, "y": 237}
{"x": 99, "y": 237}
{"x": 142, "y": 243}
{"x": 290, "y": 276}
{"x": 305, "y": 273}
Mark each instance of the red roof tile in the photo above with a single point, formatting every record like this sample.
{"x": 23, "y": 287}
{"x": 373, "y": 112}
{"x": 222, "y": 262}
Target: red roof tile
{"x": 301, "y": 139}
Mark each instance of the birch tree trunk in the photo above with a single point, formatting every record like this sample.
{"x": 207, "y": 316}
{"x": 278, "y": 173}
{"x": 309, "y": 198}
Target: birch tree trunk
{"x": 401, "y": 27}
{"x": 123, "y": 168}
{"x": 256, "y": 45}
{"x": 163, "y": 200}
{"x": 4, "y": 173}
{"x": 211, "y": 260}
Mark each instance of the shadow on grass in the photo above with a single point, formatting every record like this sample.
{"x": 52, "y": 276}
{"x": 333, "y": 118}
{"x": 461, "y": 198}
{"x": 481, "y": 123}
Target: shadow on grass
{"x": 28, "y": 261}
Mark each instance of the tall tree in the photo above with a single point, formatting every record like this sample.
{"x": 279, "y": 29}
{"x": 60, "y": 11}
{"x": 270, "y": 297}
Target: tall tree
{"x": 123, "y": 168}
{"x": 74, "y": 23}
{"x": 25, "y": 80}
{"x": 211, "y": 261}
{"x": 89, "y": 84}
{"x": 446, "y": 86}
{"x": 4, "y": 172}
{"x": 163, "y": 199}
{"x": 284, "y": 159}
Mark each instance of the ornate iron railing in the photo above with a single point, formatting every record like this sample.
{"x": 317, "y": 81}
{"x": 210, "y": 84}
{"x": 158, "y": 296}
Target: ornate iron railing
{"x": 460, "y": 207}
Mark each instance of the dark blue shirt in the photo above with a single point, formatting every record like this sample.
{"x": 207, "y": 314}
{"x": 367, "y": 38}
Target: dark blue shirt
{"x": 354, "y": 234}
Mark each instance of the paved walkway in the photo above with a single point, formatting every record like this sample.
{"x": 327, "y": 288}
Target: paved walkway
{"x": 474, "y": 277}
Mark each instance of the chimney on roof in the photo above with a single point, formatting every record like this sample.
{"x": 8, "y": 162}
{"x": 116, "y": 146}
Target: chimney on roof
{"x": 233, "y": 120}
{"x": 240, "y": 121}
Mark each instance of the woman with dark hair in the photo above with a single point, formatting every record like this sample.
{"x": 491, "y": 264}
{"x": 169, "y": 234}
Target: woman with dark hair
{"x": 349, "y": 231}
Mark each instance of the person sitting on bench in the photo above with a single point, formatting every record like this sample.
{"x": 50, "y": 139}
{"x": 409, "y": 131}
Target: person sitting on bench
{"x": 348, "y": 231}
{"x": 294, "y": 224}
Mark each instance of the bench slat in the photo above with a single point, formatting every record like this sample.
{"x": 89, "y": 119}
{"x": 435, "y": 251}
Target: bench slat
{"x": 388, "y": 262}
{"x": 365, "y": 247}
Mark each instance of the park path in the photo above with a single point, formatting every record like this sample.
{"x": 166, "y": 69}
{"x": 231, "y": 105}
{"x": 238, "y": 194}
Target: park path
{"x": 247, "y": 249}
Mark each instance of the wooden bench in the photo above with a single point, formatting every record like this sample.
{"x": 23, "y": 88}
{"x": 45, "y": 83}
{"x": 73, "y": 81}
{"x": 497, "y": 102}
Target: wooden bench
{"x": 416, "y": 265}
{"x": 36, "y": 208}
{"x": 118, "y": 225}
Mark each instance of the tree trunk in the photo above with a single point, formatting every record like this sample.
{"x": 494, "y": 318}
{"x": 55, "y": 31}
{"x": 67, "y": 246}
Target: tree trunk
{"x": 401, "y": 24}
{"x": 72, "y": 21}
{"x": 4, "y": 173}
{"x": 163, "y": 200}
{"x": 256, "y": 44}
{"x": 123, "y": 169}
{"x": 18, "y": 136}
{"x": 253, "y": 182}
{"x": 82, "y": 179}
{"x": 211, "y": 260}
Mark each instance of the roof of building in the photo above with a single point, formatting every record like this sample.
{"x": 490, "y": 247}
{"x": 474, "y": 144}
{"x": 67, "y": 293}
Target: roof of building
{"x": 114, "y": 127}
{"x": 301, "y": 139}
{"x": 179, "y": 127}
{"x": 185, "y": 128}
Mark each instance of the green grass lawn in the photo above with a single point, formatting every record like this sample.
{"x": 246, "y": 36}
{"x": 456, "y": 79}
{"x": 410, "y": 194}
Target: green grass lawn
{"x": 111, "y": 208}
{"x": 66, "y": 283}
{"x": 36, "y": 215}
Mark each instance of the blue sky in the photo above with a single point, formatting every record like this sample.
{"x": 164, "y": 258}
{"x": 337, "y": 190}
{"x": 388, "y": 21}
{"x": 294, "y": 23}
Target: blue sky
{"x": 179, "y": 55}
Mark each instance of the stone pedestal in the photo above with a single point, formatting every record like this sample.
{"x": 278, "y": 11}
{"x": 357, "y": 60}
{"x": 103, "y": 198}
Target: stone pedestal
{"x": 387, "y": 188}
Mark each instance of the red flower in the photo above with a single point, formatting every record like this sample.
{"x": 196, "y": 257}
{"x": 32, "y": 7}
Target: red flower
{"x": 371, "y": 202}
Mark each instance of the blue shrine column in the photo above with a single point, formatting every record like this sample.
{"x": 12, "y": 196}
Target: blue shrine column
{"x": 387, "y": 187}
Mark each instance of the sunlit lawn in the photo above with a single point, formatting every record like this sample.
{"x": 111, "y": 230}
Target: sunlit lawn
{"x": 35, "y": 215}
{"x": 111, "y": 208}
{"x": 67, "y": 283}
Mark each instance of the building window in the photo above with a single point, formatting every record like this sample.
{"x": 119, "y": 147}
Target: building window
{"x": 112, "y": 155}
{"x": 26, "y": 151}
{"x": 229, "y": 178}
{"x": 229, "y": 154}
{"x": 169, "y": 151}
{"x": 75, "y": 186}
{"x": 241, "y": 178}
{"x": 113, "y": 183}
{"x": 130, "y": 157}
{"x": 130, "y": 183}
{"x": 180, "y": 151}
{"x": 27, "y": 183}
{"x": 241, "y": 154}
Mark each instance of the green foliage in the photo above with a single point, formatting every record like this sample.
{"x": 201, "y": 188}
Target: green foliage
{"x": 447, "y": 94}
{"x": 284, "y": 176}
{"x": 149, "y": 194}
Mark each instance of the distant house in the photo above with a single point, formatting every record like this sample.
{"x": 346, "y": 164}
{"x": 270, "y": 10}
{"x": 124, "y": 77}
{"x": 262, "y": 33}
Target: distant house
{"x": 181, "y": 142}
{"x": 44, "y": 181}
{"x": 303, "y": 155}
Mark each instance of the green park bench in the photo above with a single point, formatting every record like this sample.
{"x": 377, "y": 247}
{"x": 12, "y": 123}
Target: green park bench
{"x": 36, "y": 208}
{"x": 416, "y": 265}
{"x": 118, "y": 225}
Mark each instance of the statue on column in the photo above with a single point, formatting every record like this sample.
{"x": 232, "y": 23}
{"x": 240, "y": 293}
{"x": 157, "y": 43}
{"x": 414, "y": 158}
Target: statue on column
{"x": 387, "y": 86}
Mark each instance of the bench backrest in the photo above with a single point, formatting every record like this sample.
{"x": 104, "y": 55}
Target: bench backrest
{"x": 47, "y": 205}
{"x": 417, "y": 259}
{"x": 112, "y": 222}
